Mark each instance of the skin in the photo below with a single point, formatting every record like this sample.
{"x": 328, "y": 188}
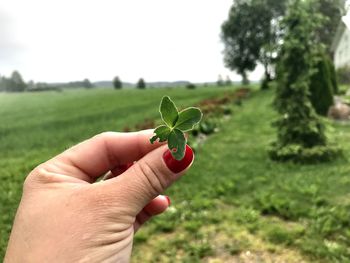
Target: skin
{"x": 64, "y": 216}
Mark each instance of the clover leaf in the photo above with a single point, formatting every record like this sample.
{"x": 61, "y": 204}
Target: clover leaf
{"x": 176, "y": 123}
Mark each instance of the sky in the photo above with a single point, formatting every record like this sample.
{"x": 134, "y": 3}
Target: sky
{"x": 159, "y": 40}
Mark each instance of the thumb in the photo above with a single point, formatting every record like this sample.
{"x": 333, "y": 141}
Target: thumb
{"x": 147, "y": 178}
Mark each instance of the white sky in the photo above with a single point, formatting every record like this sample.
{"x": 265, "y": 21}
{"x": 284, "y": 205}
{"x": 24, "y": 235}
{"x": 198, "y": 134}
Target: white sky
{"x": 64, "y": 40}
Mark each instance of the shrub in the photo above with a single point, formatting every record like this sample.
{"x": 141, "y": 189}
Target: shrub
{"x": 190, "y": 86}
{"x": 300, "y": 136}
{"x": 207, "y": 127}
{"x": 343, "y": 75}
{"x": 333, "y": 76}
{"x": 321, "y": 86}
{"x": 264, "y": 84}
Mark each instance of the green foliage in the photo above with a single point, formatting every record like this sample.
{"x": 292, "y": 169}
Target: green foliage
{"x": 321, "y": 86}
{"x": 333, "y": 76}
{"x": 218, "y": 191}
{"x": 343, "y": 75}
{"x": 265, "y": 84}
{"x": 13, "y": 84}
{"x": 190, "y": 86}
{"x": 176, "y": 123}
{"x": 301, "y": 136}
{"x": 141, "y": 84}
{"x": 117, "y": 83}
{"x": 251, "y": 35}
{"x": 220, "y": 81}
{"x": 87, "y": 84}
{"x": 332, "y": 12}
{"x": 207, "y": 127}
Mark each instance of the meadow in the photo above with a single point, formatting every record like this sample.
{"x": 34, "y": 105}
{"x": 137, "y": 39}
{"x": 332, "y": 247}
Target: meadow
{"x": 234, "y": 205}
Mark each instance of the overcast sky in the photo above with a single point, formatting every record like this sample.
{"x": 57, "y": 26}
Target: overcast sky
{"x": 63, "y": 40}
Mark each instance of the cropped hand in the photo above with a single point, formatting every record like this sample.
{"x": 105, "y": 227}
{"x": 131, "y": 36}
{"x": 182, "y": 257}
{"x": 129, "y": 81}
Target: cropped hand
{"x": 66, "y": 216}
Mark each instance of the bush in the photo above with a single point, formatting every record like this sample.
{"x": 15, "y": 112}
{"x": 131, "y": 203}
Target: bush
{"x": 343, "y": 75}
{"x": 207, "y": 127}
{"x": 333, "y": 76}
{"x": 265, "y": 84}
{"x": 301, "y": 134}
{"x": 321, "y": 86}
{"x": 299, "y": 154}
{"x": 190, "y": 86}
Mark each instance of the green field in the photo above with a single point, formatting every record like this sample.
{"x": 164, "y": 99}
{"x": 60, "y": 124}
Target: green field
{"x": 234, "y": 205}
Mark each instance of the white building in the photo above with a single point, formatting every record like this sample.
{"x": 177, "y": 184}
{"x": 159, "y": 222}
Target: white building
{"x": 341, "y": 45}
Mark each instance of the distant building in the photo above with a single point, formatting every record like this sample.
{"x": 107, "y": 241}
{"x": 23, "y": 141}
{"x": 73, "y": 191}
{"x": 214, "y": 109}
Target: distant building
{"x": 341, "y": 46}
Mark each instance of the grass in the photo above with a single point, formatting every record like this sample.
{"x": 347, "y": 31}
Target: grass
{"x": 35, "y": 127}
{"x": 233, "y": 205}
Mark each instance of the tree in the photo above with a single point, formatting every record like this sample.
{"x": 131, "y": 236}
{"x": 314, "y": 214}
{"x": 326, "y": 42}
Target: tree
{"x": 228, "y": 81}
{"x": 16, "y": 83}
{"x": 251, "y": 34}
{"x": 343, "y": 75}
{"x": 321, "y": 86}
{"x": 332, "y": 10}
{"x": 333, "y": 75}
{"x": 141, "y": 84}
{"x": 117, "y": 84}
{"x": 300, "y": 132}
{"x": 87, "y": 84}
{"x": 220, "y": 81}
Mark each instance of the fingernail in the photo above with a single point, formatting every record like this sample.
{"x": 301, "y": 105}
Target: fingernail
{"x": 168, "y": 199}
{"x": 177, "y": 166}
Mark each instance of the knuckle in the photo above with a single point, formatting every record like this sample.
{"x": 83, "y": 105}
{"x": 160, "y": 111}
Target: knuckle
{"x": 40, "y": 174}
{"x": 103, "y": 135}
{"x": 152, "y": 177}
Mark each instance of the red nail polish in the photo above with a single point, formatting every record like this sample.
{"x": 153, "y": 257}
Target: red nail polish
{"x": 168, "y": 199}
{"x": 177, "y": 166}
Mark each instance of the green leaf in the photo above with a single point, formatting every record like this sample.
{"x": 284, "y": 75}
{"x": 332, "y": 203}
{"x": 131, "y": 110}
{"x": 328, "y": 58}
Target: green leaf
{"x": 188, "y": 118}
{"x": 177, "y": 144}
{"x": 162, "y": 133}
{"x": 168, "y": 111}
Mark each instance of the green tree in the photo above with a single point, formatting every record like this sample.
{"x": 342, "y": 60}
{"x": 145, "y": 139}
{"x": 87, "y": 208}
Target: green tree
{"x": 220, "y": 81}
{"x": 16, "y": 82}
{"x": 87, "y": 84}
{"x": 300, "y": 132}
{"x": 333, "y": 75}
{"x": 343, "y": 75}
{"x": 228, "y": 81}
{"x": 321, "y": 86}
{"x": 141, "y": 84}
{"x": 117, "y": 83}
{"x": 251, "y": 34}
{"x": 332, "y": 11}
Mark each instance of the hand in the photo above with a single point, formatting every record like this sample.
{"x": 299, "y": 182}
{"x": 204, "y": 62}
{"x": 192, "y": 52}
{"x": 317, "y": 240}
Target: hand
{"x": 64, "y": 216}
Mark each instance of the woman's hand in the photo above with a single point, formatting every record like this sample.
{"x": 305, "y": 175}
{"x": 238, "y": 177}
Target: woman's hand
{"x": 65, "y": 217}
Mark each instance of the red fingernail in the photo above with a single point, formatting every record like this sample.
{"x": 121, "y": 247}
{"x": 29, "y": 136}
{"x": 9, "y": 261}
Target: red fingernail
{"x": 167, "y": 198}
{"x": 177, "y": 166}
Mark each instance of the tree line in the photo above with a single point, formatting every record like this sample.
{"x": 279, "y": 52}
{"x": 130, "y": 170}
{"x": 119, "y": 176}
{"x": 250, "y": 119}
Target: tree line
{"x": 15, "y": 83}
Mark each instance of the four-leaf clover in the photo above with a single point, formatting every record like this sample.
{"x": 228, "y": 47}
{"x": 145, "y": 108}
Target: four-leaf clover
{"x": 176, "y": 123}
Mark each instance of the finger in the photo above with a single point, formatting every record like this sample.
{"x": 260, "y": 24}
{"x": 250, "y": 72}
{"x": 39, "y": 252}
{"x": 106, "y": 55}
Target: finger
{"x": 157, "y": 206}
{"x": 100, "y": 154}
{"x": 146, "y": 179}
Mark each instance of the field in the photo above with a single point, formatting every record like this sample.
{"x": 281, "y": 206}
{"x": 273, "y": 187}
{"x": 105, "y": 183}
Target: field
{"x": 234, "y": 205}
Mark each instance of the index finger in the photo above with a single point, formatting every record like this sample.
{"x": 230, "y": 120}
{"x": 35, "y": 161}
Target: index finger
{"x": 98, "y": 155}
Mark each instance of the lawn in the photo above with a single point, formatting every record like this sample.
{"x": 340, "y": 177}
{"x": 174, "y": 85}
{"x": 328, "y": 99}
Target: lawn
{"x": 37, "y": 126}
{"x": 234, "y": 205}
